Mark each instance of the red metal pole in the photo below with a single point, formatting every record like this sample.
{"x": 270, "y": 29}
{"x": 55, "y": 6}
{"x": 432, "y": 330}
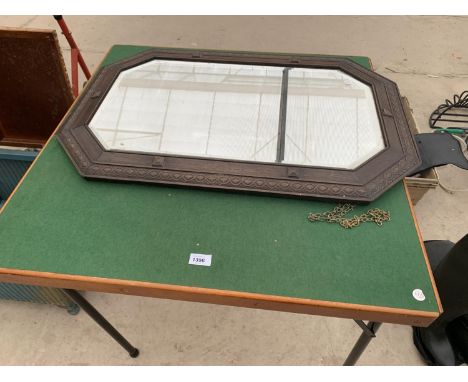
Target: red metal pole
{"x": 66, "y": 32}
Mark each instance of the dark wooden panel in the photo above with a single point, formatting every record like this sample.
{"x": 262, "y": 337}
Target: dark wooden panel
{"x": 35, "y": 92}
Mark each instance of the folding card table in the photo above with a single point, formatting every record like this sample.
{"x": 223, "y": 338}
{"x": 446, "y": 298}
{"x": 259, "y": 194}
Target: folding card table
{"x": 59, "y": 229}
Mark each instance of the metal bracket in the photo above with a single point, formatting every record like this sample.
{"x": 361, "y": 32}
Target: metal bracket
{"x": 293, "y": 173}
{"x": 158, "y": 162}
{"x": 368, "y": 329}
{"x": 368, "y": 333}
{"x": 387, "y": 112}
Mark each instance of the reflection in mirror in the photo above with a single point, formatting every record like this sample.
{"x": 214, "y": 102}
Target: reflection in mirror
{"x": 196, "y": 109}
{"x": 331, "y": 120}
{"x": 231, "y": 111}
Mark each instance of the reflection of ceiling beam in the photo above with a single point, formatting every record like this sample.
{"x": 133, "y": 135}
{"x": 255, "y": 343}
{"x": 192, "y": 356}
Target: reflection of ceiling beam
{"x": 216, "y": 75}
{"x": 125, "y": 131}
{"x": 236, "y": 77}
{"x": 239, "y": 88}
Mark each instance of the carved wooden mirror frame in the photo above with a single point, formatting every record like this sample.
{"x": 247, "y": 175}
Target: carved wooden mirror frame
{"x": 364, "y": 183}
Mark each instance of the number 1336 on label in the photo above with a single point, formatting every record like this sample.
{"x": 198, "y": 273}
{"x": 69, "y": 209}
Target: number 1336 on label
{"x": 200, "y": 259}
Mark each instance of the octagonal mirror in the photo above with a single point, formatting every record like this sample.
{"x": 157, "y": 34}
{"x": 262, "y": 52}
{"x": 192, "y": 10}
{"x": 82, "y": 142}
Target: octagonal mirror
{"x": 290, "y": 125}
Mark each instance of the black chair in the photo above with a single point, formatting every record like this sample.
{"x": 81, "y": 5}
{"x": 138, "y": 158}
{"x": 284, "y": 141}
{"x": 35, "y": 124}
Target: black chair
{"x": 445, "y": 341}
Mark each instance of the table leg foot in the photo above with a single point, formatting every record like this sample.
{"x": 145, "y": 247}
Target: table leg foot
{"x": 102, "y": 322}
{"x": 135, "y": 353}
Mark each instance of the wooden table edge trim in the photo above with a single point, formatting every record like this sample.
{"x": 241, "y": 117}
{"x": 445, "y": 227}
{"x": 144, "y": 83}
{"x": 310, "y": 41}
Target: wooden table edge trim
{"x": 423, "y": 247}
{"x": 220, "y": 297}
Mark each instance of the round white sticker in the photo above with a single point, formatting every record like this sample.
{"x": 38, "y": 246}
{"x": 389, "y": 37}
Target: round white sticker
{"x": 419, "y": 295}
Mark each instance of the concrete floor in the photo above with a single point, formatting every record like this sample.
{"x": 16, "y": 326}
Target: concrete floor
{"x": 423, "y": 55}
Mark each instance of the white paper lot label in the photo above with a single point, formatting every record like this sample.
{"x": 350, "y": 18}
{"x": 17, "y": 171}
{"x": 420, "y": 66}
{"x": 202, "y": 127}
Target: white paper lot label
{"x": 419, "y": 295}
{"x": 200, "y": 259}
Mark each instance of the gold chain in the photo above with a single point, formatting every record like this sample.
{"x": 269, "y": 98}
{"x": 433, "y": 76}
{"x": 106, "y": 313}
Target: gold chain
{"x": 375, "y": 215}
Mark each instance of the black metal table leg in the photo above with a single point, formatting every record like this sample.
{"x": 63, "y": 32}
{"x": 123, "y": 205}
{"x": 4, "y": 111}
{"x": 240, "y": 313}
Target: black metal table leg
{"x": 368, "y": 332}
{"x": 102, "y": 322}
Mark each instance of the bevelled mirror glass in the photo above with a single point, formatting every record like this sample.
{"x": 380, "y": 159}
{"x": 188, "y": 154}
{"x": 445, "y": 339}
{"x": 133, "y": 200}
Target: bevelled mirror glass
{"x": 230, "y": 111}
{"x": 321, "y": 127}
{"x": 195, "y": 109}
